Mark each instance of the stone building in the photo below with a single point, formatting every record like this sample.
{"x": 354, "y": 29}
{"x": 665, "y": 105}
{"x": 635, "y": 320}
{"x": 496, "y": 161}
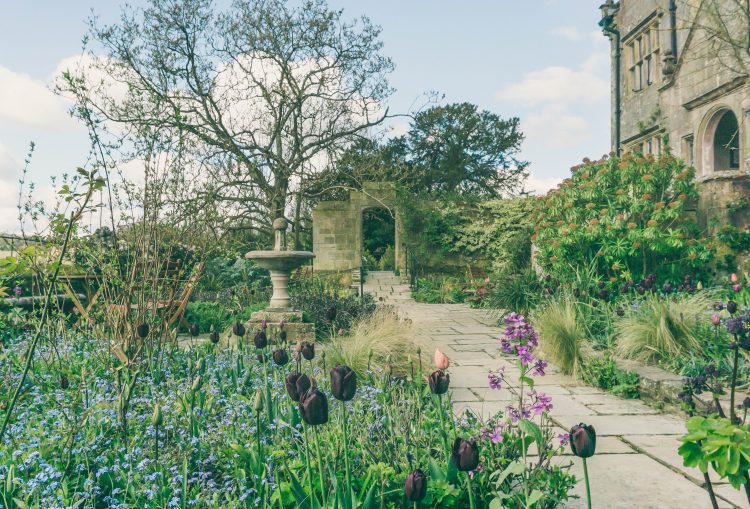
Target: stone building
{"x": 673, "y": 85}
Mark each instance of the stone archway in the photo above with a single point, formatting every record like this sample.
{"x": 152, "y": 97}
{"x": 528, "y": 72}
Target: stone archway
{"x": 720, "y": 143}
{"x": 337, "y": 228}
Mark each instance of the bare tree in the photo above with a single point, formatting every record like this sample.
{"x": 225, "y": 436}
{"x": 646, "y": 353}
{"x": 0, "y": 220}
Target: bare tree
{"x": 258, "y": 92}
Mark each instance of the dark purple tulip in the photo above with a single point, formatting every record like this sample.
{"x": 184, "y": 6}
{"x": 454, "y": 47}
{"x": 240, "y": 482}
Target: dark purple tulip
{"x": 313, "y": 407}
{"x": 282, "y": 335}
{"x": 214, "y": 337}
{"x": 732, "y": 307}
{"x": 142, "y": 330}
{"x": 331, "y": 313}
{"x": 583, "y": 440}
{"x": 746, "y": 402}
{"x": 619, "y": 311}
{"x": 307, "y": 350}
{"x": 604, "y": 295}
{"x": 465, "y": 454}
{"x": 297, "y": 384}
{"x": 194, "y": 330}
{"x": 280, "y": 357}
{"x": 640, "y": 290}
{"x": 439, "y": 381}
{"x": 624, "y": 288}
{"x": 415, "y": 486}
{"x": 260, "y": 339}
{"x": 343, "y": 383}
{"x": 667, "y": 287}
{"x": 238, "y": 329}
{"x": 64, "y": 382}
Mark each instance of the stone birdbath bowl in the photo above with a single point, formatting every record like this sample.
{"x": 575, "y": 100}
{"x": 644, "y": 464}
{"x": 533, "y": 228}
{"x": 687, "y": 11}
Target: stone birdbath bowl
{"x": 280, "y": 263}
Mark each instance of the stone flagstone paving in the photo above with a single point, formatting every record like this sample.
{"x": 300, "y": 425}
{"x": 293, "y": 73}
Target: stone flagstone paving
{"x": 636, "y": 465}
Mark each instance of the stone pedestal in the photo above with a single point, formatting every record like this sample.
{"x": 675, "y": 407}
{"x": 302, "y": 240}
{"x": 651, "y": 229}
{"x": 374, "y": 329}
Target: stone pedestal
{"x": 296, "y": 329}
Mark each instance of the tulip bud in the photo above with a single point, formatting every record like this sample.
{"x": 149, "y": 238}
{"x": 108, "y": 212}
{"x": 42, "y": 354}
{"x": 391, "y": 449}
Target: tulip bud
{"x": 142, "y": 330}
{"x": 263, "y": 325}
{"x": 281, "y": 324}
{"x": 331, "y": 313}
{"x": 716, "y": 319}
{"x": 214, "y": 337}
{"x": 282, "y": 336}
{"x": 343, "y": 383}
{"x": 415, "y": 486}
{"x": 313, "y": 407}
{"x": 238, "y": 329}
{"x": 441, "y": 360}
{"x": 280, "y": 357}
{"x": 307, "y": 350}
{"x": 732, "y": 307}
{"x": 260, "y": 340}
{"x": 296, "y": 385}
{"x": 734, "y": 278}
{"x": 194, "y": 330}
{"x": 439, "y": 381}
{"x": 258, "y": 403}
{"x": 64, "y": 382}
{"x": 746, "y": 402}
{"x": 465, "y": 454}
{"x": 583, "y": 440}
{"x": 737, "y": 288}
{"x": 156, "y": 417}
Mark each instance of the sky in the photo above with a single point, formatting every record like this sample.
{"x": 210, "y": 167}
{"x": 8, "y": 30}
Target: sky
{"x": 544, "y": 61}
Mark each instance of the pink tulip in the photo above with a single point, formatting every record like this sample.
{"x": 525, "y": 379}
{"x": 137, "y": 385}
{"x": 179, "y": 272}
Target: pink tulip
{"x": 441, "y": 360}
{"x": 487, "y": 279}
{"x": 716, "y": 319}
{"x": 737, "y": 288}
{"x": 733, "y": 277}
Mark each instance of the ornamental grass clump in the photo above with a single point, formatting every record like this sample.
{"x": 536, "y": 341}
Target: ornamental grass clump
{"x": 561, "y": 334}
{"x": 660, "y": 328}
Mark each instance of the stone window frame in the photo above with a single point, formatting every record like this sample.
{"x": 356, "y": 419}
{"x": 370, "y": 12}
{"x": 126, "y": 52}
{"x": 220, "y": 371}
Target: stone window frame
{"x": 688, "y": 149}
{"x": 642, "y": 53}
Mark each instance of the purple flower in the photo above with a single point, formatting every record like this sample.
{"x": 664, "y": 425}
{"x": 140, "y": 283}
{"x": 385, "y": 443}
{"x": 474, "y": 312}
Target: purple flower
{"x": 542, "y": 403}
{"x": 524, "y": 355}
{"x": 17, "y": 291}
{"x": 495, "y": 379}
{"x": 564, "y": 439}
{"x": 497, "y": 435}
{"x": 539, "y": 367}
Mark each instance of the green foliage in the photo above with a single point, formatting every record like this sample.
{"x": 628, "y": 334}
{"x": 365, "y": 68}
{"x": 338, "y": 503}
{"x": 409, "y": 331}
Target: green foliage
{"x": 518, "y": 290}
{"x": 436, "y": 289}
{"x": 717, "y": 443}
{"x": 661, "y": 329}
{"x": 494, "y": 234}
{"x": 388, "y": 259}
{"x": 215, "y": 314}
{"x": 561, "y": 334}
{"x": 734, "y": 238}
{"x": 628, "y": 216}
{"x": 315, "y": 296}
{"x": 603, "y": 372}
{"x": 378, "y": 235}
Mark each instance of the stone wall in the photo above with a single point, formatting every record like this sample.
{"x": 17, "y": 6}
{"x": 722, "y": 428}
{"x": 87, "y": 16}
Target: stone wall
{"x": 337, "y": 228}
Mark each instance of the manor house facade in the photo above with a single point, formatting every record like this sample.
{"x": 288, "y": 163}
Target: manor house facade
{"x": 671, "y": 88}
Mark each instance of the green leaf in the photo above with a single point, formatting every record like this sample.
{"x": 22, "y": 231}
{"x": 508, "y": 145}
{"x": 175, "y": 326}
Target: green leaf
{"x": 436, "y": 472}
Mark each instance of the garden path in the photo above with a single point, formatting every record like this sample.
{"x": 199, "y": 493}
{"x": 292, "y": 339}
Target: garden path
{"x": 636, "y": 465}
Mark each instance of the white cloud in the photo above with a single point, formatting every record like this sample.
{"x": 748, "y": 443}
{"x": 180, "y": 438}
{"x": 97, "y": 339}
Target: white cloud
{"x": 540, "y": 185}
{"x": 9, "y": 173}
{"x": 27, "y": 102}
{"x": 557, "y": 84}
{"x": 570, "y": 33}
{"x": 555, "y": 126}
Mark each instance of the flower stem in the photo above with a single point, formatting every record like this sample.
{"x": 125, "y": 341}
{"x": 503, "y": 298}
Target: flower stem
{"x": 346, "y": 450}
{"x": 307, "y": 463}
{"x": 710, "y": 489}
{"x": 472, "y": 504}
{"x": 443, "y": 432}
{"x": 588, "y": 487}
{"x": 734, "y": 382}
{"x": 320, "y": 468}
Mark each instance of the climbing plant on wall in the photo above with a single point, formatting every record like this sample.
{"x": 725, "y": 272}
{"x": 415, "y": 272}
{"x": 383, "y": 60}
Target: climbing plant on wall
{"x": 456, "y": 231}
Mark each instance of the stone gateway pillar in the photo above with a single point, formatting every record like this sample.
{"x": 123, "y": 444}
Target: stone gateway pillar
{"x": 337, "y": 228}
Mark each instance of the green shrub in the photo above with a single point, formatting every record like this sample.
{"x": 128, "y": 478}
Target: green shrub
{"x": 662, "y": 329}
{"x": 217, "y": 315}
{"x": 561, "y": 334}
{"x": 388, "y": 259}
{"x": 518, "y": 290}
{"x": 602, "y": 372}
{"x": 439, "y": 289}
{"x": 626, "y": 216}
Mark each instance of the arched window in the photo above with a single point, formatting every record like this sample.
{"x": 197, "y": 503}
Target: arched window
{"x": 721, "y": 143}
